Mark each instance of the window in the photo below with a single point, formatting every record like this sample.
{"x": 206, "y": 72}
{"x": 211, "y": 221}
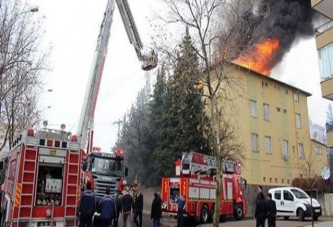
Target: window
{"x": 298, "y": 120}
{"x": 300, "y": 151}
{"x": 253, "y": 108}
{"x": 255, "y": 143}
{"x": 277, "y": 195}
{"x": 268, "y": 145}
{"x": 285, "y": 151}
{"x": 326, "y": 62}
{"x": 296, "y": 96}
{"x": 266, "y": 112}
{"x": 288, "y": 196}
{"x": 318, "y": 150}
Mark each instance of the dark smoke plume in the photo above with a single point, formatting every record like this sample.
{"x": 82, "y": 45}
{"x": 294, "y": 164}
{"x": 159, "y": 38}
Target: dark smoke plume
{"x": 286, "y": 20}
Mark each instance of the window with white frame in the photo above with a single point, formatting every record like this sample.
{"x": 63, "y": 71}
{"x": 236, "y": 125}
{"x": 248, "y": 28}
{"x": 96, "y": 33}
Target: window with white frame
{"x": 285, "y": 151}
{"x": 255, "y": 142}
{"x": 253, "y": 108}
{"x": 268, "y": 145}
{"x": 300, "y": 151}
{"x": 318, "y": 150}
{"x": 326, "y": 61}
{"x": 266, "y": 112}
{"x": 298, "y": 120}
{"x": 296, "y": 96}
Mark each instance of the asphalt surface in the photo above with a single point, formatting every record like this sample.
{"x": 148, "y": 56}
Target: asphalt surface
{"x": 280, "y": 222}
{"x": 230, "y": 222}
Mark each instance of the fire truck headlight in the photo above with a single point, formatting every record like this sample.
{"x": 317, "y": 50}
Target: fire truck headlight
{"x": 48, "y": 213}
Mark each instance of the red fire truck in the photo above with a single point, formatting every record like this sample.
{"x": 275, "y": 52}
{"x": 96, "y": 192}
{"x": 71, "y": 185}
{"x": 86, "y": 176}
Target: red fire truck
{"x": 196, "y": 181}
{"x": 42, "y": 181}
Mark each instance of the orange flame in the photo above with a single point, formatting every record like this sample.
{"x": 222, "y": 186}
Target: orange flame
{"x": 260, "y": 60}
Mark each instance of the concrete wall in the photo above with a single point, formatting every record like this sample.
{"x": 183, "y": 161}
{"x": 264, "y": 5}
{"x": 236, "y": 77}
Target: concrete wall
{"x": 326, "y": 202}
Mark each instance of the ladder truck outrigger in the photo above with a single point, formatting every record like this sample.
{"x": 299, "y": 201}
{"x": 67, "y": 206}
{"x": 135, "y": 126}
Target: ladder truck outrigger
{"x": 104, "y": 169}
{"x": 195, "y": 180}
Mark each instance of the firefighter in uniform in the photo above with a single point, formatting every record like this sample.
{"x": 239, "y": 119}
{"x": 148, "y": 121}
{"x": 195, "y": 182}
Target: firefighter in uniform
{"x": 87, "y": 206}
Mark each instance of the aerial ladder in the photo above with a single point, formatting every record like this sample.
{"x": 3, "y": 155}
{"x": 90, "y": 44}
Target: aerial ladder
{"x": 148, "y": 60}
{"x": 194, "y": 163}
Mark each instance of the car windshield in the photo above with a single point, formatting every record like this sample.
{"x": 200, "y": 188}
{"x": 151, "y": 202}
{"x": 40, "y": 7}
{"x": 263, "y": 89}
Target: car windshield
{"x": 299, "y": 194}
{"x": 106, "y": 166}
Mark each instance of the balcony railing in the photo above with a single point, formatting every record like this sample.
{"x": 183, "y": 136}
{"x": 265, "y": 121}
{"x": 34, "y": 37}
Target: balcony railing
{"x": 324, "y": 27}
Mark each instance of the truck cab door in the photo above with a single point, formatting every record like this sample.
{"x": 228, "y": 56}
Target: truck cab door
{"x": 279, "y": 203}
{"x": 289, "y": 203}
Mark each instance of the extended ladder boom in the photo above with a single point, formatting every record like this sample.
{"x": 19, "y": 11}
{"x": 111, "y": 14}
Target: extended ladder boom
{"x": 149, "y": 60}
{"x": 89, "y": 103}
{"x": 85, "y": 128}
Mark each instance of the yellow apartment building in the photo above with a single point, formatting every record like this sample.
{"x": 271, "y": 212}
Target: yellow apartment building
{"x": 272, "y": 122}
{"x": 324, "y": 42}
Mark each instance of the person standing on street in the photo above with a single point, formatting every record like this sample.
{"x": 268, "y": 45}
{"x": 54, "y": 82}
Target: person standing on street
{"x": 156, "y": 210}
{"x": 180, "y": 212}
{"x": 118, "y": 205}
{"x": 138, "y": 208}
{"x": 271, "y": 211}
{"x": 261, "y": 210}
{"x": 127, "y": 207}
{"x": 108, "y": 210}
{"x": 87, "y": 206}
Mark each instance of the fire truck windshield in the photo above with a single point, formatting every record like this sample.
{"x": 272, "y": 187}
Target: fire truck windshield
{"x": 106, "y": 166}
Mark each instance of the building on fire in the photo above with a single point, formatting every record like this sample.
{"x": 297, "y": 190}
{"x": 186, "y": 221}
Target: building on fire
{"x": 272, "y": 122}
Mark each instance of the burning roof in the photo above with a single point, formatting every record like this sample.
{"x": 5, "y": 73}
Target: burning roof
{"x": 284, "y": 22}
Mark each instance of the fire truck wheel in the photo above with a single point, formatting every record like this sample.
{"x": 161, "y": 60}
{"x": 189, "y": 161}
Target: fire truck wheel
{"x": 204, "y": 217}
{"x": 238, "y": 212}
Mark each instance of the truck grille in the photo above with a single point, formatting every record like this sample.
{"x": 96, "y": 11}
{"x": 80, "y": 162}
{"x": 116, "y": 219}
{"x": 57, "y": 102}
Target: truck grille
{"x": 101, "y": 182}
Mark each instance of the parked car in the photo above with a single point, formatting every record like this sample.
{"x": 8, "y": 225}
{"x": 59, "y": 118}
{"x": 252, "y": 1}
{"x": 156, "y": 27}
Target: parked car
{"x": 294, "y": 202}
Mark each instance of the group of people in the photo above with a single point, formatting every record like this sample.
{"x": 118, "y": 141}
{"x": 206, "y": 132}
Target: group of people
{"x": 265, "y": 209}
{"x": 110, "y": 208}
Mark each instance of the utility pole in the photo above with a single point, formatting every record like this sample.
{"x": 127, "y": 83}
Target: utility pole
{"x": 118, "y": 123}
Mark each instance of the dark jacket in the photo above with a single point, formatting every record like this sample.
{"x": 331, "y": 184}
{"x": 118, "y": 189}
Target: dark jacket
{"x": 127, "y": 203}
{"x": 87, "y": 203}
{"x": 156, "y": 208}
{"x": 107, "y": 207}
{"x": 261, "y": 208}
{"x": 271, "y": 208}
{"x": 138, "y": 202}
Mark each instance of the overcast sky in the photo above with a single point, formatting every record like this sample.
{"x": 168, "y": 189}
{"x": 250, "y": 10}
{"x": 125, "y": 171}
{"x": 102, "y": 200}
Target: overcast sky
{"x": 71, "y": 29}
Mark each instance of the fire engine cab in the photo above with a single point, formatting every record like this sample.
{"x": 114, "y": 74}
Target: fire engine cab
{"x": 42, "y": 182}
{"x": 196, "y": 181}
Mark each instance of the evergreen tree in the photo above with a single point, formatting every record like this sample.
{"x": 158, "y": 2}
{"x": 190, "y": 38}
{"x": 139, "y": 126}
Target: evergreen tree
{"x": 187, "y": 109}
{"x": 133, "y": 135}
{"x": 179, "y": 124}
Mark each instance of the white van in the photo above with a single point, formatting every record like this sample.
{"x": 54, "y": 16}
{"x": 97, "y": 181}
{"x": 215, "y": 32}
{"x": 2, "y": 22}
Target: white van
{"x": 294, "y": 202}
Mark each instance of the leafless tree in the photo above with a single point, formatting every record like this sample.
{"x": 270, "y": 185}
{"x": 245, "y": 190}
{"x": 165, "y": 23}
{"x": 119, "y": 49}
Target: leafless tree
{"x": 21, "y": 62}
{"x": 221, "y": 32}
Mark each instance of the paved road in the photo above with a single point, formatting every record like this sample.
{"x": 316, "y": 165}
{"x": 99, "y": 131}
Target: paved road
{"x": 322, "y": 222}
{"x": 293, "y": 222}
